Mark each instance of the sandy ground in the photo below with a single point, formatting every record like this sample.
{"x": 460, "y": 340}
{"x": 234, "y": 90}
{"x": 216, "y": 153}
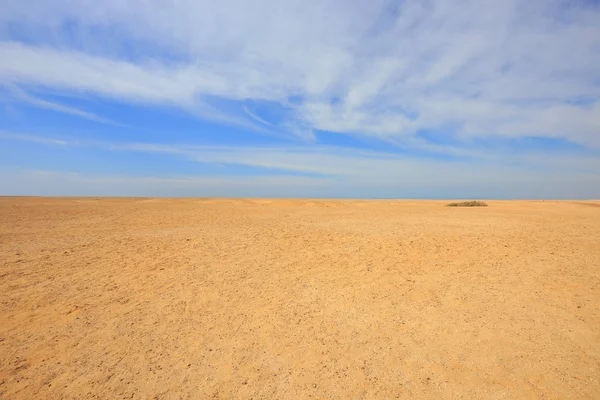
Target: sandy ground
{"x": 287, "y": 299}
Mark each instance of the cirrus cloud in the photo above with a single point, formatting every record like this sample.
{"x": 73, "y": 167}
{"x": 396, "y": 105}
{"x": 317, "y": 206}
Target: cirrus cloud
{"x": 385, "y": 69}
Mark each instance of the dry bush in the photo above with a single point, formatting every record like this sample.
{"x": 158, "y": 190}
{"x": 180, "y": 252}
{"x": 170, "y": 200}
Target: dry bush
{"x": 472, "y": 203}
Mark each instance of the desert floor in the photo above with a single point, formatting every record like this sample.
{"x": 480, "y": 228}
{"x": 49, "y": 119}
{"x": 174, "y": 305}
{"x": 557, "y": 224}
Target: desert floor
{"x": 287, "y": 299}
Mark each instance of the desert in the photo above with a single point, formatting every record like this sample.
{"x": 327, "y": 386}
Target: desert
{"x": 298, "y": 298}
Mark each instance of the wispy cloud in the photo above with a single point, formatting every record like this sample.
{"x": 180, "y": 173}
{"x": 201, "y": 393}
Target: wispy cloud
{"x": 17, "y": 181}
{"x": 256, "y": 117}
{"x": 24, "y": 97}
{"x": 381, "y": 69}
{"x": 377, "y": 170}
{"x": 25, "y": 137}
{"x": 60, "y": 183}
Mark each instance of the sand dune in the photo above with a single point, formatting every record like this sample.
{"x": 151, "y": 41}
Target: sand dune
{"x": 262, "y": 298}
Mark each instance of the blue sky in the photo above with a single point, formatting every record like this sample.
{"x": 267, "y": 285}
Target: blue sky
{"x": 328, "y": 98}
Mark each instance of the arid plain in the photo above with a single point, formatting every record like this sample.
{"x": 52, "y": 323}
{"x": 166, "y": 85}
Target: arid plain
{"x": 286, "y": 299}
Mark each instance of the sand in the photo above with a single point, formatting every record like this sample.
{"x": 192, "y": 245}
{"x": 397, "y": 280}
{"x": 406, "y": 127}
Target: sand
{"x": 288, "y": 299}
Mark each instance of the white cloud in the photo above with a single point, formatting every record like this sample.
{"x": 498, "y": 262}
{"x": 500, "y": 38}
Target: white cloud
{"x": 345, "y": 167}
{"x": 256, "y": 117}
{"x": 78, "y": 71}
{"x": 24, "y": 137}
{"x": 24, "y": 97}
{"x": 381, "y": 68}
{"x": 24, "y": 182}
{"x": 59, "y": 183}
